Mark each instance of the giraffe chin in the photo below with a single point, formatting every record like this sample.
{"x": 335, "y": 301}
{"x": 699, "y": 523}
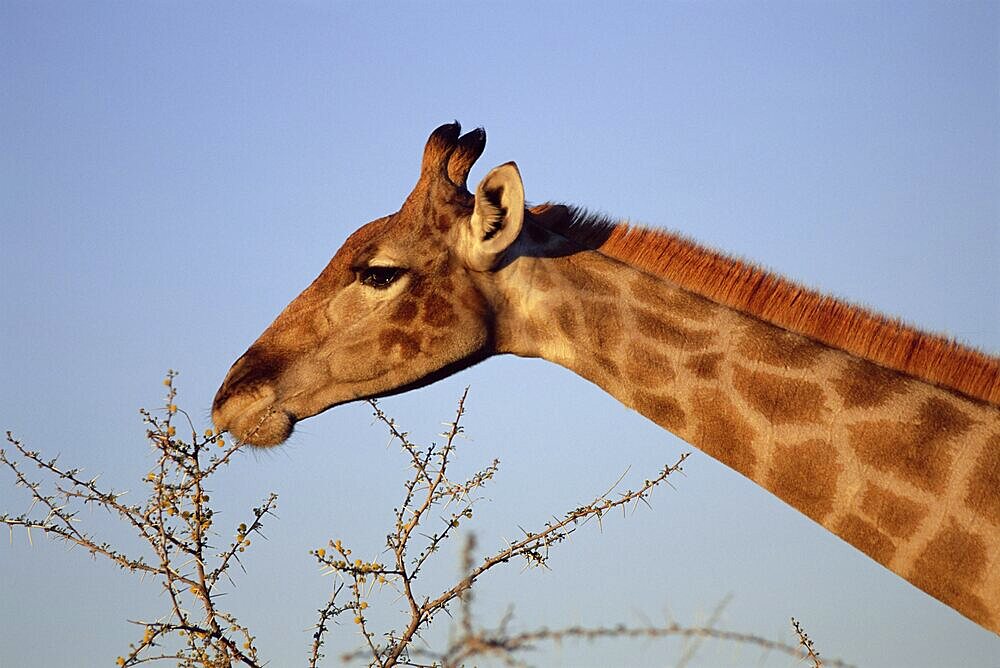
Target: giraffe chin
{"x": 270, "y": 429}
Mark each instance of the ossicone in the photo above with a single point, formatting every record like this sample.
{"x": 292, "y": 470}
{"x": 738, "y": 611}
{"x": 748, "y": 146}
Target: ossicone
{"x": 450, "y": 155}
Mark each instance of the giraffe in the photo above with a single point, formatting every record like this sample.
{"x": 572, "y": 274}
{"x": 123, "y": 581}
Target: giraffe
{"x": 884, "y": 435}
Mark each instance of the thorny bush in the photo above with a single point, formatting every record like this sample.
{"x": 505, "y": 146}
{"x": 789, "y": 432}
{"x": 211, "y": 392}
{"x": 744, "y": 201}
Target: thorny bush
{"x": 191, "y": 557}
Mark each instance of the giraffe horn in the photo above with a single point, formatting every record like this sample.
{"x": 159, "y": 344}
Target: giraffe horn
{"x": 439, "y": 148}
{"x": 470, "y": 147}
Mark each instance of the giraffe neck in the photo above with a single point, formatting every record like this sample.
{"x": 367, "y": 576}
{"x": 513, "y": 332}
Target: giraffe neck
{"x": 903, "y": 470}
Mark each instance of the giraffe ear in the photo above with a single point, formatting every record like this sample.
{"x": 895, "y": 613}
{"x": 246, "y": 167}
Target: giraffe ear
{"x": 497, "y": 217}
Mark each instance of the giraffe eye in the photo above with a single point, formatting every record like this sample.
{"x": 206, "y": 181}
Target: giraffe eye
{"x": 380, "y": 277}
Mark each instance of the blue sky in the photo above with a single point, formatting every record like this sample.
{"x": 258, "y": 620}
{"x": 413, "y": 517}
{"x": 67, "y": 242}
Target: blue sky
{"x": 172, "y": 174}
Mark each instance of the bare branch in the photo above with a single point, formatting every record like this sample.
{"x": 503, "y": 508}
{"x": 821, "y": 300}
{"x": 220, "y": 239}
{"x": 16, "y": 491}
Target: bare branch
{"x": 177, "y": 524}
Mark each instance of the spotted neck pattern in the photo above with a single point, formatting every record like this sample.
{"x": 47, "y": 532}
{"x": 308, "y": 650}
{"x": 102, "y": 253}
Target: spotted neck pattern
{"x": 906, "y": 471}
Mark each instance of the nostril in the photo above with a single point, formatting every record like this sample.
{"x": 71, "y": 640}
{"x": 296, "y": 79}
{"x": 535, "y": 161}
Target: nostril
{"x": 238, "y": 370}
{"x": 221, "y": 396}
{"x": 254, "y": 368}
{"x": 247, "y": 396}
{"x": 231, "y": 380}
{"x": 217, "y": 402}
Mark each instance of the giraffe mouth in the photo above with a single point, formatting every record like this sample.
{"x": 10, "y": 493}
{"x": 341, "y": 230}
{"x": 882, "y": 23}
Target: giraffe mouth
{"x": 257, "y": 421}
{"x": 257, "y": 414}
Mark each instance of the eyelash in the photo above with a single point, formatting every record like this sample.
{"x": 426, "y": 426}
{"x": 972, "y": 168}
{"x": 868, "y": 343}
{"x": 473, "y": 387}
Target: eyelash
{"x": 380, "y": 277}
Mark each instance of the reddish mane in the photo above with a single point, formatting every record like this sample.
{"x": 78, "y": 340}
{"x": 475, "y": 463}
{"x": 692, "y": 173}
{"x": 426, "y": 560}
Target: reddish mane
{"x": 775, "y": 299}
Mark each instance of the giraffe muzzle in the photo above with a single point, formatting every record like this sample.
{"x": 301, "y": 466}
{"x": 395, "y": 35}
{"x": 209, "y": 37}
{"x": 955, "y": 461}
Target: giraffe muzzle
{"x": 253, "y": 417}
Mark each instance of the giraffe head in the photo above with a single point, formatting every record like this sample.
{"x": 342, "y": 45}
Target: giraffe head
{"x": 401, "y": 304}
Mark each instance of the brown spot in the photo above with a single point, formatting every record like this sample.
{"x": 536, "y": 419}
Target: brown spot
{"x": 599, "y": 369}
{"x": 805, "y": 476}
{"x": 438, "y": 311}
{"x": 566, "y": 320}
{"x": 780, "y": 400}
{"x": 404, "y": 312}
{"x": 893, "y": 514}
{"x": 983, "y": 492}
{"x": 647, "y": 368}
{"x": 867, "y": 538}
{"x": 951, "y": 569}
{"x": 705, "y": 366}
{"x": 603, "y": 322}
{"x": 722, "y": 432}
{"x": 606, "y": 363}
{"x": 443, "y": 222}
{"x": 769, "y": 344}
{"x": 393, "y": 338}
{"x": 668, "y": 331}
{"x": 656, "y": 294}
{"x": 534, "y": 331}
{"x": 541, "y": 280}
{"x": 919, "y": 451}
{"x": 595, "y": 373}
{"x": 587, "y": 282}
{"x": 473, "y": 302}
{"x": 867, "y": 385}
{"x": 418, "y": 287}
{"x": 664, "y": 411}
{"x": 642, "y": 286}
{"x": 690, "y": 305}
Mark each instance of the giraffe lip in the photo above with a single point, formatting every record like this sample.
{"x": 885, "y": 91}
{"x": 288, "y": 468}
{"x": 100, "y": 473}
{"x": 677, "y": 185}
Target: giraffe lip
{"x": 273, "y": 427}
{"x": 270, "y": 419}
{"x": 259, "y": 422}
